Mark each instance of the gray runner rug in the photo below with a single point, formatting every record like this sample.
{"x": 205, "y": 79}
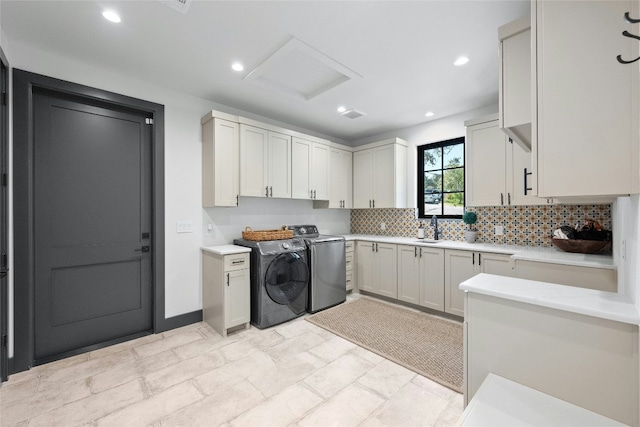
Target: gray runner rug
{"x": 426, "y": 344}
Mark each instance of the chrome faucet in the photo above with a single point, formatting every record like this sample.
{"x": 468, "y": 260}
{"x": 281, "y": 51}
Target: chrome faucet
{"x": 434, "y": 224}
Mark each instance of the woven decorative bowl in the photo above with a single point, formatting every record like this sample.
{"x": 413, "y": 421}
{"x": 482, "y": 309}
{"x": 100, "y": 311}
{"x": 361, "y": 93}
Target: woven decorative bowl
{"x": 581, "y": 246}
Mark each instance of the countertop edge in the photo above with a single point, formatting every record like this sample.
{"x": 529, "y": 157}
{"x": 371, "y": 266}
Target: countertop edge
{"x": 225, "y": 249}
{"x": 589, "y": 302}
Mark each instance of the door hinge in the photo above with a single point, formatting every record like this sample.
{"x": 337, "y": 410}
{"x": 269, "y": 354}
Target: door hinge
{"x": 148, "y": 121}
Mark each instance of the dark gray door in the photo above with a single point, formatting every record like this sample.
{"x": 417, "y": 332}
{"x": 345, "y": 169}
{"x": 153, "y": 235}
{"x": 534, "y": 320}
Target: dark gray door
{"x": 4, "y": 215}
{"x": 92, "y": 224}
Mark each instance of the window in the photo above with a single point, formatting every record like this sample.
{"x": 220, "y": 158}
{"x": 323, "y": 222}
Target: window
{"x": 441, "y": 184}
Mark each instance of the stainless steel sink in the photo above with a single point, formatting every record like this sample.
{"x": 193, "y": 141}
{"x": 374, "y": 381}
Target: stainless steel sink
{"x": 428, "y": 241}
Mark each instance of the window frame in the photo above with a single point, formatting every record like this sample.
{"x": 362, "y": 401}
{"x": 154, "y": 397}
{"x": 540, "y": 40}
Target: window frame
{"x": 420, "y": 186}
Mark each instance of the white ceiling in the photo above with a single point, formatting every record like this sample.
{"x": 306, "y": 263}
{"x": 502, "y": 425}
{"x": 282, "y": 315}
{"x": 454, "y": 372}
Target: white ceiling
{"x": 397, "y": 56}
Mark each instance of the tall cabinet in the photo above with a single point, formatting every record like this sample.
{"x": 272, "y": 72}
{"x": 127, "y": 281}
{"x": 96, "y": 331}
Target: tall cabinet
{"x": 380, "y": 175}
{"x": 585, "y": 139}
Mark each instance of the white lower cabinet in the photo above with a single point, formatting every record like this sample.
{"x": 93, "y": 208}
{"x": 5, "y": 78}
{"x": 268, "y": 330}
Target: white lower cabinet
{"x": 226, "y": 299}
{"x": 421, "y": 276}
{"x": 602, "y": 279}
{"x": 349, "y": 249}
{"x": 376, "y": 268}
{"x": 462, "y": 265}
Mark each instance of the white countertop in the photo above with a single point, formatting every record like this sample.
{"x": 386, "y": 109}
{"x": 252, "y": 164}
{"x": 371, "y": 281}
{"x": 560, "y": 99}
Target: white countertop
{"x": 602, "y": 304}
{"x": 528, "y": 253}
{"x": 226, "y": 249}
{"x": 500, "y": 402}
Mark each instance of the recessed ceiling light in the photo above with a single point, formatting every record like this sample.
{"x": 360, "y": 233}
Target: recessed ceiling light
{"x": 429, "y": 114}
{"x": 461, "y": 61}
{"x": 342, "y": 109}
{"x": 110, "y": 15}
{"x": 236, "y": 66}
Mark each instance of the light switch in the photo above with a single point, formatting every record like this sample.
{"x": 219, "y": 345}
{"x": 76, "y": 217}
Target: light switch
{"x": 184, "y": 227}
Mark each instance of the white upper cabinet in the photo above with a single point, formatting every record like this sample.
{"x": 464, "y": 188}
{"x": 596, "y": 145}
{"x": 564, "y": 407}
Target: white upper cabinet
{"x": 380, "y": 175}
{"x": 340, "y": 178}
{"x": 585, "y": 127}
{"x": 220, "y": 162}
{"x": 309, "y": 169}
{"x": 515, "y": 81}
{"x": 265, "y": 163}
{"x": 497, "y": 170}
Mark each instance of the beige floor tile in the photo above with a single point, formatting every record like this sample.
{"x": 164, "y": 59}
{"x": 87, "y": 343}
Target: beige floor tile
{"x": 237, "y": 350}
{"x": 332, "y": 348}
{"x": 131, "y": 370}
{"x": 150, "y": 410}
{"x": 411, "y": 406}
{"x": 367, "y": 355}
{"x": 387, "y": 378}
{"x": 77, "y": 371}
{"x": 184, "y": 329}
{"x": 224, "y": 405}
{"x": 451, "y": 414}
{"x": 280, "y": 410}
{"x": 92, "y": 407}
{"x": 12, "y": 390}
{"x": 338, "y": 374}
{"x": 295, "y": 328}
{"x": 183, "y": 371}
{"x": 263, "y": 339}
{"x": 168, "y": 343}
{"x": 234, "y": 372}
{"x": 124, "y": 346}
{"x": 297, "y": 344}
{"x": 196, "y": 348}
{"x": 275, "y": 379}
{"x": 350, "y": 407}
{"x": 435, "y": 388}
{"x": 39, "y": 403}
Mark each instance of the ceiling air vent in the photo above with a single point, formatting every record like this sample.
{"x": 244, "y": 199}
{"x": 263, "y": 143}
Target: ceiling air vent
{"x": 179, "y": 5}
{"x": 353, "y": 114}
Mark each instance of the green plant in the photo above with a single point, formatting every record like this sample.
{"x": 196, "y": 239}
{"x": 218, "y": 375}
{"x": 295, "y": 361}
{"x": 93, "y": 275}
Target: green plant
{"x": 470, "y": 218}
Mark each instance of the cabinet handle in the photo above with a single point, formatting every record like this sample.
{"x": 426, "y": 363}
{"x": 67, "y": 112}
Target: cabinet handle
{"x": 373, "y": 247}
{"x": 271, "y": 191}
{"x": 420, "y": 252}
{"x": 227, "y": 279}
{"x": 473, "y": 260}
{"x": 374, "y": 203}
{"x": 238, "y": 261}
{"x": 415, "y": 251}
{"x": 237, "y": 199}
{"x": 509, "y": 198}
{"x": 479, "y": 259}
{"x": 376, "y": 247}
{"x": 369, "y": 203}
{"x": 526, "y": 189}
{"x": 315, "y": 196}
{"x": 266, "y": 189}
{"x": 501, "y": 199}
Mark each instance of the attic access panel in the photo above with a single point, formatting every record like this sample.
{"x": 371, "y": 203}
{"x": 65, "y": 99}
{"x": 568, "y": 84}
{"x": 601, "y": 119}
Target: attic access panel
{"x": 300, "y": 70}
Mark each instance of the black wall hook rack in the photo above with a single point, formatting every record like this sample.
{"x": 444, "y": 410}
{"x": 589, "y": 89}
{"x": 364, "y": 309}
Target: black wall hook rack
{"x": 626, "y": 33}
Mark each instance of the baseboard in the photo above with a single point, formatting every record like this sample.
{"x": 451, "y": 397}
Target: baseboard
{"x": 179, "y": 321}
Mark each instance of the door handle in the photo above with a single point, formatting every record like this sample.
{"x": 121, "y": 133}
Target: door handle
{"x": 415, "y": 252}
{"x": 479, "y": 259}
{"x": 271, "y": 191}
{"x": 420, "y": 252}
{"x": 266, "y": 189}
{"x": 143, "y": 249}
{"x": 473, "y": 260}
{"x": 227, "y": 279}
{"x": 526, "y": 189}
{"x": 501, "y": 199}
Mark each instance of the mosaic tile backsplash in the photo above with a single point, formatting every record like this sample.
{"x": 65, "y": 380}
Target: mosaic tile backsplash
{"x": 523, "y": 225}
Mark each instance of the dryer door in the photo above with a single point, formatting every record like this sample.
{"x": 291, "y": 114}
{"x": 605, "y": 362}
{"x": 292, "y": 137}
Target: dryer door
{"x": 286, "y": 281}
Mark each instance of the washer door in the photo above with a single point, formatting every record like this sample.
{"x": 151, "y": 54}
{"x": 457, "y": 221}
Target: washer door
{"x": 286, "y": 278}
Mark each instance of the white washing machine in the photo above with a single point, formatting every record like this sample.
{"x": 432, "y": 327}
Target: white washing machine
{"x": 279, "y": 280}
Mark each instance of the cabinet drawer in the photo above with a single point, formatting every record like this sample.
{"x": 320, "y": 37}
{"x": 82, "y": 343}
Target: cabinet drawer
{"x": 348, "y": 246}
{"x": 236, "y": 262}
{"x": 349, "y": 262}
{"x": 349, "y": 281}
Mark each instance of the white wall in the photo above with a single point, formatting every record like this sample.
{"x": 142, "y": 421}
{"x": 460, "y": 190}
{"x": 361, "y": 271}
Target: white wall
{"x": 425, "y": 133}
{"x": 182, "y": 172}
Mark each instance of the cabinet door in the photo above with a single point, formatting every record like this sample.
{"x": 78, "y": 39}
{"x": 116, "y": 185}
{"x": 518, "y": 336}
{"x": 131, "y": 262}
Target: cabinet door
{"x": 485, "y": 165}
{"x": 253, "y": 161}
{"x": 336, "y": 179}
{"x": 499, "y": 264}
{"x": 220, "y": 163}
{"x": 576, "y": 74}
{"x": 408, "y": 274}
{"x": 279, "y": 165}
{"x": 301, "y": 168}
{"x": 432, "y": 278}
{"x": 459, "y": 266}
{"x": 386, "y": 259}
{"x": 384, "y": 180}
{"x": 237, "y": 298}
{"x": 319, "y": 171}
{"x": 362, "y": 179}
{"x": 366, "y": 272}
